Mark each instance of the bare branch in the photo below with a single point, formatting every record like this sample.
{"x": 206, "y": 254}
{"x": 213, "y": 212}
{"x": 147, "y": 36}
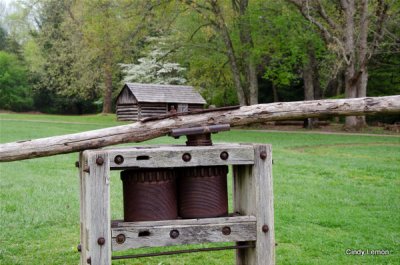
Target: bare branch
{"x": 324, "y": 15}
{"x": 142, "y": 24}
{"x": 381, "y": 13}
{"x": 197, "y": 30}
{"x": 196, "y": 6}
{"x": 326, "y": 34}
{"x": 172, "y": 50}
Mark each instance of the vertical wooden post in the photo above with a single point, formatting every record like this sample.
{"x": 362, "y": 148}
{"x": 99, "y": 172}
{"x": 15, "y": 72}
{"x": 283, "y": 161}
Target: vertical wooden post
{"x": 82, "y": 179}
{"x": 253, "y": 195}
{"x": 95, "y": 208}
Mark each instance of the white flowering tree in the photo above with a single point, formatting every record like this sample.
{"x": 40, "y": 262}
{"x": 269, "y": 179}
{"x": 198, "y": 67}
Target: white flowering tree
{"x": 154, "y": 69}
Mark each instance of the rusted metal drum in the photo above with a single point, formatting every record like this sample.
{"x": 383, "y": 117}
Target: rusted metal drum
{"x": 199, "y": 140}
{"x": 203, "y": 192}
{"x": 149, "y": 194}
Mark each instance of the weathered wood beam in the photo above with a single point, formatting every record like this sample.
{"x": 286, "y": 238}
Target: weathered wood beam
{"x": 142, "y": 131}
{"x": 191, "y": 231}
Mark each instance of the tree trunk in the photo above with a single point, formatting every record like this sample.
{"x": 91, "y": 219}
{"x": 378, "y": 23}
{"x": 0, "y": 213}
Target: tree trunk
{"x": 108, "y": 81}
{"x": 142, "y": 131}
{"x": 362, "y": 92}
{"x": 275, "y": 93}
{"x": 107, "y": 96}
{"x": 350, "y": 89}
{"x": 311, "y": 82}
{"x": 253, "y": 83}
{"x": 308, "y": 90}
{"x": 246, "y": 40}
{"x": 230, "y": 52}
{"x": 362, "y": 80}
{"x": 339, "y": 88}
{"x": 350, "y": 92}
{"x": 308, "y": 77}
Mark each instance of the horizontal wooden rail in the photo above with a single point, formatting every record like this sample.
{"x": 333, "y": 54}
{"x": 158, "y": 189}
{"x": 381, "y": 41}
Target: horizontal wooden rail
{"x": 160, "y": 156}
{"x": 128, "y": 235}
{"x": 142, "y": 131}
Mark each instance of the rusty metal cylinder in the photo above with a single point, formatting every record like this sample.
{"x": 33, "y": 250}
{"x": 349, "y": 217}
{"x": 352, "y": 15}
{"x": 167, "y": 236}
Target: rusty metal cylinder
{"x": 203, "y": 192}
{"x": 149, "y": 194}
{"x": 199, "y": 140}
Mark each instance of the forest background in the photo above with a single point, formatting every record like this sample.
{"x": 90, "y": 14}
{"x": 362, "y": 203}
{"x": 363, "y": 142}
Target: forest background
{"x": 72, "y": 56}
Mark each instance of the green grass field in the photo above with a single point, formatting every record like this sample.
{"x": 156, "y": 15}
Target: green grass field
{"x": 332, "y": 193}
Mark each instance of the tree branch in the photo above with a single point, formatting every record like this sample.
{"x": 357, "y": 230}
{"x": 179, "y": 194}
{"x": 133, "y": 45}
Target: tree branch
{"x": 381, "y": 13}
{"x": 326, "y": 34}
{"x": 324, "y": 15}
{"x": 197, "y": 30}
{"x": 196, "y": 6}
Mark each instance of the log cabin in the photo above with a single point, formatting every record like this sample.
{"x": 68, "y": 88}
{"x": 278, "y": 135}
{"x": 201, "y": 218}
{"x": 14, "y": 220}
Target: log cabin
{"x": 137, "y": 101}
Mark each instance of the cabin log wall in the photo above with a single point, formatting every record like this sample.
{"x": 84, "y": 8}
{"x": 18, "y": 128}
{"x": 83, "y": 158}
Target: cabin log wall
{"x": 152, "y": 109}
{"x": 127, "y": 112}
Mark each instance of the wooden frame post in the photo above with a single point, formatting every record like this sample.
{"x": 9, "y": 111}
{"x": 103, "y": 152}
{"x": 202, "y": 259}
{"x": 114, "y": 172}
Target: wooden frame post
{"x": 253, "y": 195}
{"x": 95, "y": 208}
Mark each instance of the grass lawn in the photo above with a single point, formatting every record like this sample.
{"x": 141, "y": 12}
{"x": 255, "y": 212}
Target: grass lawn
{"x": 332, "y": 193}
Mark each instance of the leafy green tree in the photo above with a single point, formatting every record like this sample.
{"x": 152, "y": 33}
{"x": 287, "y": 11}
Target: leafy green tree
{"x": 268, "y": 40}
{"x": 225, "y": 18}
{"x": 3, "y": 39}
{"x": 199, "y": 48}
{"x": 110, "y": 29}
{"x": 14, "y": 91}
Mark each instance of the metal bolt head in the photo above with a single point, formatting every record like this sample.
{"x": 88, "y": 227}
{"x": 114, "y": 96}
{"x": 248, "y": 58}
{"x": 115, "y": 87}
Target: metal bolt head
{"x": 174, "y": 234}
{"x": 263, "y": 155}
{"x": 265, "y": 228}
{"x": 226, "y": 230}
{"x": 79, "y": 248}
{"x": 120, "y": 239}
{"x": 119, "y": 159}
{"x": 224, "y": 155}
{"x": 99, "y": 161}
{"x": 76, "y": 163}
{"x": 186, "y": 157}
{"x": 101, "y": 241}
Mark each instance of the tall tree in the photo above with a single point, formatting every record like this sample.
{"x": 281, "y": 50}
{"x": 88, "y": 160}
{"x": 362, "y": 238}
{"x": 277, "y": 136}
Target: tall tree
{"x": 66, "y": 61}
{"x": 218, "y": 14}
{"x": 289, "y": 46}
{"x": 109, "y": 28}
{"x": 354, "y": 30}
{"x": 14, "y": 89}
{"x": 103, "y": 28}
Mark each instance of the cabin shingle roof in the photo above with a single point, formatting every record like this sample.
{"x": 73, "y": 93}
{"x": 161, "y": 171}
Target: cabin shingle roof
{"x": 165, "y": 93}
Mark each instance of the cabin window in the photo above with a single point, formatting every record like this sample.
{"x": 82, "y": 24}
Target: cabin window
{"x": 172, "y": 106}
